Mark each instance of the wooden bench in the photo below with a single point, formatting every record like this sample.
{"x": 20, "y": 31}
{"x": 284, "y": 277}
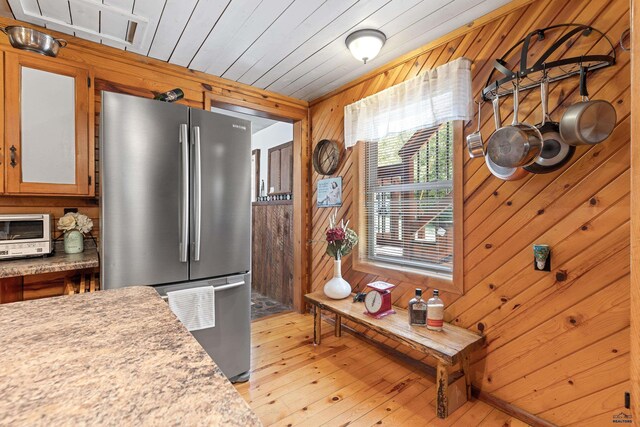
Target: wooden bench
{"x": 450, "y": 347}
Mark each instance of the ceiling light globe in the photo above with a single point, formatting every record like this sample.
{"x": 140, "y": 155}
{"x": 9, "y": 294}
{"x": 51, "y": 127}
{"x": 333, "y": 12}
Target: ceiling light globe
{"x": 365, "y": 44}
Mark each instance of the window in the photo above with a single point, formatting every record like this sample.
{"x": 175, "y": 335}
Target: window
{"x": 407, "y": 185}
{"x": 408, "y": 150}
{"x": 408, "y": 203}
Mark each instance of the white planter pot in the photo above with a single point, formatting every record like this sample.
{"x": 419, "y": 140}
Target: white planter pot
{"x": 337, "y": 287}
{"x": 73, "y": 242}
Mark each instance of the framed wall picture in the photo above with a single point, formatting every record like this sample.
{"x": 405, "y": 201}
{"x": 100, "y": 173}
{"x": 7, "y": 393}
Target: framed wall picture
{"x": 329, "y": 192}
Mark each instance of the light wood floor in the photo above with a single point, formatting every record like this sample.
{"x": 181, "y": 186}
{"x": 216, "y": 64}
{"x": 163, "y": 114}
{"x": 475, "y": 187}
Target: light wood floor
{"x": 343, "y": 381}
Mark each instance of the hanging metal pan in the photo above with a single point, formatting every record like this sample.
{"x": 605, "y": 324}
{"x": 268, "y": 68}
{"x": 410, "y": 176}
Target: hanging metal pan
{"x": 587, "y": 122}
{"x": 474, "y": 140}
{"x": 505, "y": 174}
{"x": 517, "y": 145}
{"x": 501, "y": 172}
{"x": 33, "y": 40}
{"x": 555, "y": 152}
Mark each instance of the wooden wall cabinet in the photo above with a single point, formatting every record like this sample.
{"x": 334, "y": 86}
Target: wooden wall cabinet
{"x": 48, "y": 147}
{"x": 281, "y": 168}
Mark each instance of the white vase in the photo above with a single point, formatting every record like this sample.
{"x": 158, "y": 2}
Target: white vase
{"x": 337, "y": 287}
{"x": 73, "y": 242}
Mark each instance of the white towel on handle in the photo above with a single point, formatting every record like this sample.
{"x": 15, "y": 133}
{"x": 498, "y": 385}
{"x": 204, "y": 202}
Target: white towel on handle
{"x": 194, "y": 307}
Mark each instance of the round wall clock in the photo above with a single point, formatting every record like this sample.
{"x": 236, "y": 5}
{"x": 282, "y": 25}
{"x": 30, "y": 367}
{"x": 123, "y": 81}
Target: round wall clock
{"x": 326, "y": 157}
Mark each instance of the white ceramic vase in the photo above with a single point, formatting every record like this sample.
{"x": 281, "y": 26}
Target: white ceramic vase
{"x": 73, "y": 242}
{"x": 337, "y": 287}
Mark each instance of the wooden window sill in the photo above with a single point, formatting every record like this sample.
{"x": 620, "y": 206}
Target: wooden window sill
{"x": 407, "y": 274}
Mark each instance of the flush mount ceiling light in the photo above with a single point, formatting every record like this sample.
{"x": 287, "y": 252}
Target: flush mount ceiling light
{"x": 365, "y": 44}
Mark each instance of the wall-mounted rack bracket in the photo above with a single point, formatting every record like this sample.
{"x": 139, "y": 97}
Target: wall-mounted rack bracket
{"x": 530, "y": 75}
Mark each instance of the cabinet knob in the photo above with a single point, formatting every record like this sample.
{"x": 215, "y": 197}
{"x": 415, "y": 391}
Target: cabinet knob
{"x": 13, "y": 156}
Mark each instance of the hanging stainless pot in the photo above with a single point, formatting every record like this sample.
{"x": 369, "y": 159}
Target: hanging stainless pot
{"x": 587, "y": 122}
{"x": 505, "y": 174}
{"x": 474, "y": 140}
{"x": 555, "y": 152}
{"x": 517, "y": 145}
{"x": 33, "y": 40}
{"x": 501, "y": 172}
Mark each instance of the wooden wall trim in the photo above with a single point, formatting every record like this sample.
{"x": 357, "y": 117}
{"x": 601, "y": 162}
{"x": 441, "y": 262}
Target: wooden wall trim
{"x": 635, "y": 213}
{"x": 507, "y": 408}
{"x": 480, "y": 22}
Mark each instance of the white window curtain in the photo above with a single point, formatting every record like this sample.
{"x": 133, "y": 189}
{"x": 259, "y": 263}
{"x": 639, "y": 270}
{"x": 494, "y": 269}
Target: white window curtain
{"x": 437, "y": 96}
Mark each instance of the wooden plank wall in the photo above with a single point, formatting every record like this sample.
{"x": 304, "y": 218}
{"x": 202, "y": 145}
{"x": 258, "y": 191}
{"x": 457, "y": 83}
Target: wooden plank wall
{"x": 635, "y": 215}
{"x": 124, "y": 72}
{"x": 557, "y": 343}
{"x": 272, "y": 251}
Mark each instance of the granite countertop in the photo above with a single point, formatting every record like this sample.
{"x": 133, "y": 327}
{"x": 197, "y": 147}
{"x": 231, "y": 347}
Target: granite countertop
{"x": 117, "y": 357}
{"x": 59, "y": 261}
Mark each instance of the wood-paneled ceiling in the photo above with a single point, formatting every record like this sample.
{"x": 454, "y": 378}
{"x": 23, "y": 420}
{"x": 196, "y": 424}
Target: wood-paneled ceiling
{"x": 294, "y": 47}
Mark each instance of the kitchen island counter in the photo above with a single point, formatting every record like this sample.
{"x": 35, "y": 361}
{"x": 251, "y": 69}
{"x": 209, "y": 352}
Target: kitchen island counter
{"x": 117, "y": 357}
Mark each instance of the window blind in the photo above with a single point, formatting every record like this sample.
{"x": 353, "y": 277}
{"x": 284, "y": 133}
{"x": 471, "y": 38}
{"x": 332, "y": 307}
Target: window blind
{"x": 408, "y": 198}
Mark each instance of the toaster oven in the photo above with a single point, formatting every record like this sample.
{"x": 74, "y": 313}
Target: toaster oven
{"x": 25, "y": 235}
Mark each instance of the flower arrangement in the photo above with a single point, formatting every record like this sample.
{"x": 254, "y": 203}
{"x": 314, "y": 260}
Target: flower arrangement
{"x": 75, "y": 221}
{"x": 340, "y": 238}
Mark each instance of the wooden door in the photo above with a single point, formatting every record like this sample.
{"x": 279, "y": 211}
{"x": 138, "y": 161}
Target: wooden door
{"x": 48, "y": 149}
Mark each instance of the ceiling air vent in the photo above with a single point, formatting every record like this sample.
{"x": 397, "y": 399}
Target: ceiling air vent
{"x": 99, "y": 20}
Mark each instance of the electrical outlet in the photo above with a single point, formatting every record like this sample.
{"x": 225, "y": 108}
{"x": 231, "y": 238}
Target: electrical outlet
{"x": 72, "y": 210}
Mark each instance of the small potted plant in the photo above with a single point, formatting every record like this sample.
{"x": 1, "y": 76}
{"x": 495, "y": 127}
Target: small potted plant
{"x": 340, "y": 241}
{"x": 74, "y": 225}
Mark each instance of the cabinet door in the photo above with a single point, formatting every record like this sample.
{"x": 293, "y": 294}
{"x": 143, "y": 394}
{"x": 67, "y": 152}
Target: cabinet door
{"x": 47, "y": 148}
{"x": 286, "y": 168}
{"x": 281, "y": 168}
{"x": 274, "y": 171}
{"x": 10, "y": 289}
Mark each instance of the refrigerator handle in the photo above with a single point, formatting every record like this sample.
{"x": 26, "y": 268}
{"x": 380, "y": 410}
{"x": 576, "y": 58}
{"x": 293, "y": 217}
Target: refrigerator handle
{"x": 184, "y": 193}
{"x": 216, "y": 288}
{"x": 197, "y": 193}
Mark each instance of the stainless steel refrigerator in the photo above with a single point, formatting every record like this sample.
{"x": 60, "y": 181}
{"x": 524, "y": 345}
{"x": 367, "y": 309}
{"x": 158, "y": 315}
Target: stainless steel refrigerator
{"x": 176, "y": 211}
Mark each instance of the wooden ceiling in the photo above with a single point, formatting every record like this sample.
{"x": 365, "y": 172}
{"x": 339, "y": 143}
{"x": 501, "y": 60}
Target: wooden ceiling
{"x": 293, "y": 47}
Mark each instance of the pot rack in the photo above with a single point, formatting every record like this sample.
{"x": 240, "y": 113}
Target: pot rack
{"x": 529, "y": 76}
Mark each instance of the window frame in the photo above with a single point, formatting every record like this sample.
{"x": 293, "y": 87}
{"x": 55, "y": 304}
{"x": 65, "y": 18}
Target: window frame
{"x": 415, "y": 276}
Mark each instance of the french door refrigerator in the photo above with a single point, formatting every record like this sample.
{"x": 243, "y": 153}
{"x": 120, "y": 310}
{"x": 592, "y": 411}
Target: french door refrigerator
{"x": 176, "y": 211}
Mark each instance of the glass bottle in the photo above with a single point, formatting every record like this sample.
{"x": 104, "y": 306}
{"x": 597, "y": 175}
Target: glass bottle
{"x": 435, "y": 312}
{"x": 417, "y": 309}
